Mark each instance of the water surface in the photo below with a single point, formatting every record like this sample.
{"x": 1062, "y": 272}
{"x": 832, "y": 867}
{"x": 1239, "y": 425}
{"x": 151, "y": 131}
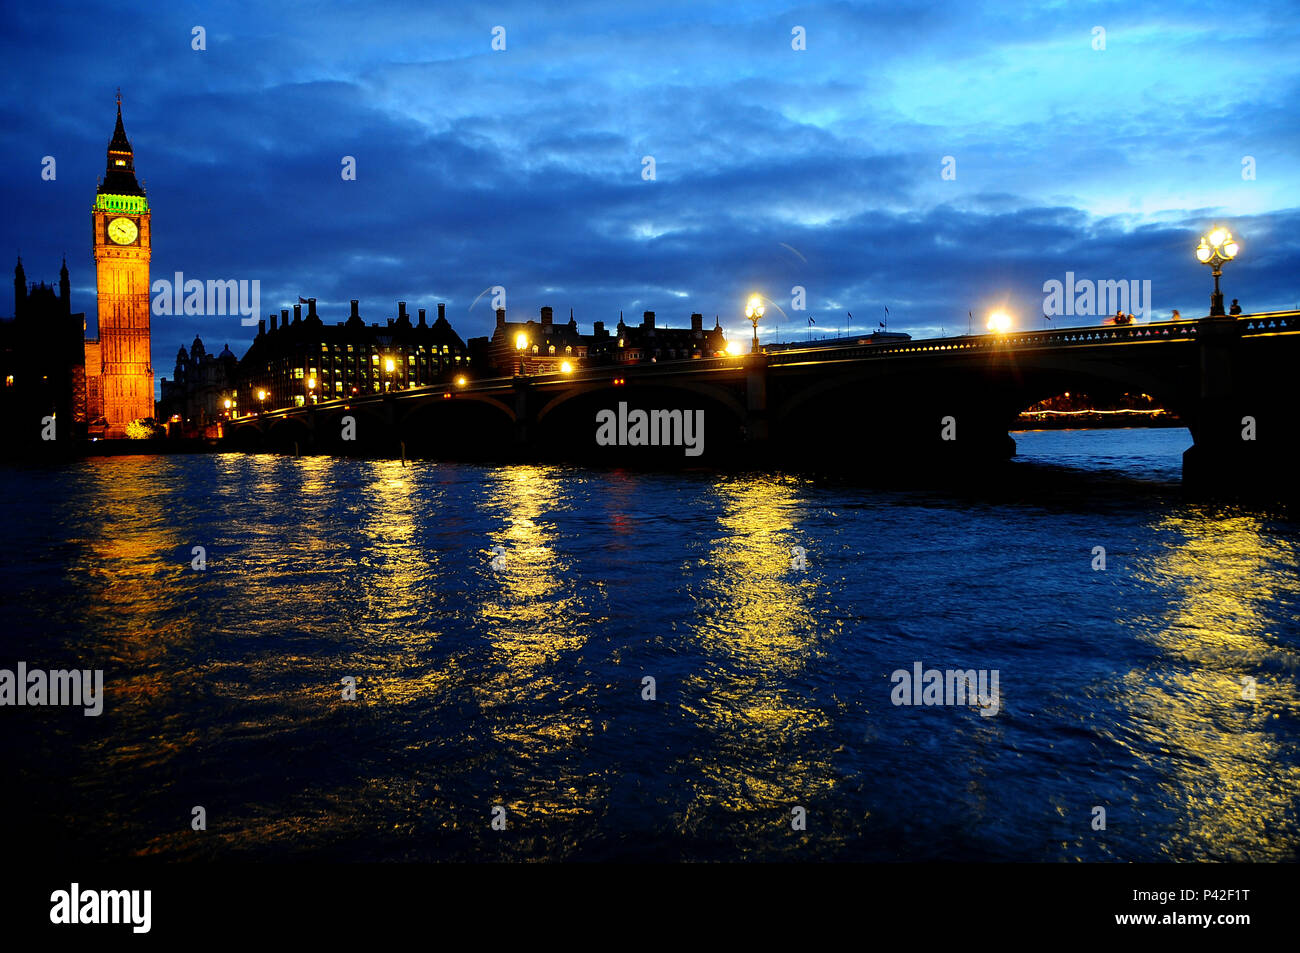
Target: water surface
{"x": 522, "y": 686}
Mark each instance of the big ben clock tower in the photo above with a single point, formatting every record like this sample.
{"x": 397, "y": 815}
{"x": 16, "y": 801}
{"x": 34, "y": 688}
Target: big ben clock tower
{"x": 121, "y": 236}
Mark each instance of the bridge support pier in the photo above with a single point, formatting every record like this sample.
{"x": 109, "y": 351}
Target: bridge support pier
{"x": 523, "y": 425}
{"x": 756, "y": 423}
{"x": 1243, "y": 436}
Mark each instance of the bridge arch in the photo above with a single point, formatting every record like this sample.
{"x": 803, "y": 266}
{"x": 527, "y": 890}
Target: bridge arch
{"x": 371, "y": 431}
{"x": 713, "y": 393}
{"x": 244, "y": 434}
{"x": 286, "y": 433}
{"x": 463, "y": 425}
{"x": 565, "y": 423}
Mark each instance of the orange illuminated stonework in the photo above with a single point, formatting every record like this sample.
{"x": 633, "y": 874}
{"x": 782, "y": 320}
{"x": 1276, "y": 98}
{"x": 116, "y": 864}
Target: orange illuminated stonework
{"x": 120, "y": 224}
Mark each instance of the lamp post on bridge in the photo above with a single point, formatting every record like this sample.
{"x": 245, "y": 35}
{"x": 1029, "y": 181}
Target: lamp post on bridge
{"x": 753, "y": 311}
{"x": 999, "y": 322}
{"x": 1214, "y": 250}
{"x": 521, "y": 344}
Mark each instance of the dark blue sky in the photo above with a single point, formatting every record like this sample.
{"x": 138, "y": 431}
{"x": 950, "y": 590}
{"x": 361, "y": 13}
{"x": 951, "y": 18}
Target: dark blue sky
{"x": 774, "y": 167}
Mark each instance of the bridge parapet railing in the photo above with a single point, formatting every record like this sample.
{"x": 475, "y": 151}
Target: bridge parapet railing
{"x": 1265, "y": 322}
{"x": 1066, "y": 337}
{"x": 1269, "y": 322}
{"x": 1261, "y": 323}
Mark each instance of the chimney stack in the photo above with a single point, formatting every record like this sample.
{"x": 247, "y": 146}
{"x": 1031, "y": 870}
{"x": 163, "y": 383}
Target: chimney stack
{"x": 648, "y": 321}
{"x": 501, "y": 317}
{"x": 297, "y": 314}
{"x": 697, "y": 322}
{"x": 422, "y": 324}
{"x": 547, "y": 315}
{"x": 284, "y": 318}
{"x": 442, "y": 311}
{"x": 401, "y": 310}
{"x": 273, "y": 324}
{"x": 261, "y": 326}
{"x": 598, "y": 328}
{"x": 355, "y": 313}
{"x": 311, "y": 307}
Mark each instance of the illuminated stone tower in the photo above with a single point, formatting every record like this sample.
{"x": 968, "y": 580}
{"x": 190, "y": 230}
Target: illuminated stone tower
{"x": 121, "y": 235}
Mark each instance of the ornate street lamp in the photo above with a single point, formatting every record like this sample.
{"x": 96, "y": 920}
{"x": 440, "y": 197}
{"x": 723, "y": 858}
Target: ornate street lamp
{"x": 521, "y": 344}
{"x": 753, "y": 311}
{"x": 388, "y": 367}
{"x": 261, "y": 395}
{"x": 311, "y": 388}
{"x": 1216, "y": 248}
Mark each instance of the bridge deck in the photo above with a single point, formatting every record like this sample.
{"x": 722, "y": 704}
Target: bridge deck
{"x": 1252, "y": 325}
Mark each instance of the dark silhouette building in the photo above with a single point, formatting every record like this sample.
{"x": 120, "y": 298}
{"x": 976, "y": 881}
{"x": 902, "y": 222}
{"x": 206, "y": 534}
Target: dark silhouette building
{"x": 42, "y": 365}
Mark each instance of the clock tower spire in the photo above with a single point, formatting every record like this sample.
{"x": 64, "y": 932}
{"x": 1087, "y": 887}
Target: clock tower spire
{"x": 120, "y": 219}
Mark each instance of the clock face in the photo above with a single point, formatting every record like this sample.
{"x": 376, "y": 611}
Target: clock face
{"x": 122, "y": 231}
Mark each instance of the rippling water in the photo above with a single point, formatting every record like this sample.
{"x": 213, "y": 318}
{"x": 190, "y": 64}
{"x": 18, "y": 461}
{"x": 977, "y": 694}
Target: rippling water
{"x": 522, "y": 686}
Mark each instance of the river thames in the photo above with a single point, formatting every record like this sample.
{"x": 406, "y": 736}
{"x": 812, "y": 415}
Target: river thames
{"x": 501, "y": 625}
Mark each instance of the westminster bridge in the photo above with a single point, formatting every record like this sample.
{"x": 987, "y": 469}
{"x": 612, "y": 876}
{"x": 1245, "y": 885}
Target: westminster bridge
{"x": 919, "y": 403}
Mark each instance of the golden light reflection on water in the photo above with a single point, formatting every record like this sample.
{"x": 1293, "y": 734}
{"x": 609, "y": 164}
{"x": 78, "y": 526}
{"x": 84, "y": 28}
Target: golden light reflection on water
{"x": 1227, "y": 776}
{"x": 758, "y": 623}
{"x": 135, "y": 561}
{"x": 130, "y": 562}
{"x": 535, "y": 620}
{"x": 528, "y": 619}
{"x": 316, "y": 473}
{"x": 398, "y": 572}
